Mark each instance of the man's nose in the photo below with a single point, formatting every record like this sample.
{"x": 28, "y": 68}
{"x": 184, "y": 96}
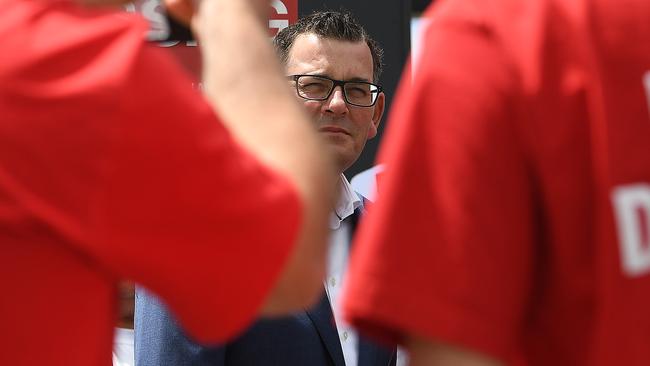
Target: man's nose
{"x": 336, "y": 102}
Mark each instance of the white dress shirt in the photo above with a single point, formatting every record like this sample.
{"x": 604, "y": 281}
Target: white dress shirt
{"x": 337, "y": 267}
{"x": 123, "y": 347}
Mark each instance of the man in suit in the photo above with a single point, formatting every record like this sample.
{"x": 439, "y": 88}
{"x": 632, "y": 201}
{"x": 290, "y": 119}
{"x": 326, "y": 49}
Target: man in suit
{"x": 334, "y": 67}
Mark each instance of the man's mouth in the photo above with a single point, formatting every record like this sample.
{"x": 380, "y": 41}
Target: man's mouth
{"x": 333, "y": 129}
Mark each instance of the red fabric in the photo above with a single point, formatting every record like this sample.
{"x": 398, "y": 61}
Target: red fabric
{"x": 494, "y": 228}
{"x": 112, "y": 167}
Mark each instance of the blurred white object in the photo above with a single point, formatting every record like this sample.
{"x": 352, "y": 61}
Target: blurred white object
{"x": 418, "y": 28}
{"x": 365, "y": 183}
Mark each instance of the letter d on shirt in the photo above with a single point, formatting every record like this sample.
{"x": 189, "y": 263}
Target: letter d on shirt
{"x": 632, "y": 212}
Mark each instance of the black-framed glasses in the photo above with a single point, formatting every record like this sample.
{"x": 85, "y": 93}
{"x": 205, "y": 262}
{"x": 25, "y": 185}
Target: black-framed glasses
{"x": 315, "y": 87}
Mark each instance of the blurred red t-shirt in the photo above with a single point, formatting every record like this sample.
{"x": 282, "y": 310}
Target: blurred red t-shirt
{"x": 112, "y": 167}
{"x": 513, "y": 216}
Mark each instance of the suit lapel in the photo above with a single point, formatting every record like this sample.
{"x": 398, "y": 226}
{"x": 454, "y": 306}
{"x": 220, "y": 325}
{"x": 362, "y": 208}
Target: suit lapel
{"x": 371, "y": 354}
{"x": 323, "y": 319}
{"x": 366, "y": 353}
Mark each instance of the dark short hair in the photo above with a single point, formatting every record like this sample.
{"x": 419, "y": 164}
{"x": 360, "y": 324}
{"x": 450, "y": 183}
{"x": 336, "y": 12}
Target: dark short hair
{"x": 339, "y": 25}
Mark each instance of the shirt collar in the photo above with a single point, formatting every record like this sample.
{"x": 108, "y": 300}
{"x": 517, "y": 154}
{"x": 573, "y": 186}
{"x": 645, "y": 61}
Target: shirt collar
{"x": 347, "y": 203}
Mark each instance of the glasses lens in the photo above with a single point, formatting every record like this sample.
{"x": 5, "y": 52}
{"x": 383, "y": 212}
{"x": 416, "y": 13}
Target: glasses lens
{"x": 313, "y": 87}
{"x": 361, "y": 94}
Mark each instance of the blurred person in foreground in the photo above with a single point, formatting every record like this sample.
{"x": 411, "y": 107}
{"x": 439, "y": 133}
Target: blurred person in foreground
{"x": 112, "y": 167}
{"x": 523, "y": 146}
{"x": 333, "y": 66}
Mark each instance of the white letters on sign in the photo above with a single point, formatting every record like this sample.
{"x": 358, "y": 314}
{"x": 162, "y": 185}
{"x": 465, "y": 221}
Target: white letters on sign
{"x": 632, "y": 213}
{"x": 280, "y": 9}
{"x": 153, "y": 12}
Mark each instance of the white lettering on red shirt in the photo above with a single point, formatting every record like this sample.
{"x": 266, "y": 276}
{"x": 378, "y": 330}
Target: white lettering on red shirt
{"x": 632, "y": 213}
{"x": 646, "y": 84}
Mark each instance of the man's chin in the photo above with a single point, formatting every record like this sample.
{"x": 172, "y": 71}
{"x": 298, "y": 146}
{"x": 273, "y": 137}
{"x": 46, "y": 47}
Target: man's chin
{"x": 343, "y": 157}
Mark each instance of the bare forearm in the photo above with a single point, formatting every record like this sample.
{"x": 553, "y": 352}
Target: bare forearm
{"x": 244, "y": 82}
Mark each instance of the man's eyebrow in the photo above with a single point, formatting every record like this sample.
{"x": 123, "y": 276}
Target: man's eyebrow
{"x": 360, "y": 79}
{"x": 355, "y": 79}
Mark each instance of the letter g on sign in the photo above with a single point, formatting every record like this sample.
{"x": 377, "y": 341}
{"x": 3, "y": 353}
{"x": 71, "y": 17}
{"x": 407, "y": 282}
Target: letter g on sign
{"x": 279, "y": 24}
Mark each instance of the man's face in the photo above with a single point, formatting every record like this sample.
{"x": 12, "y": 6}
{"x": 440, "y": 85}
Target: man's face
{"x": 346, "y": 128}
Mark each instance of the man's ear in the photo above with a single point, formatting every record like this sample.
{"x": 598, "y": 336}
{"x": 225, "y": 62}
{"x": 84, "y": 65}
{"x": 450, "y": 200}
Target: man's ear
{"x": 377, "y": 114}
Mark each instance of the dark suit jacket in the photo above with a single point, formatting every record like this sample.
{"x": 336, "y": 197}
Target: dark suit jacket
{"x": 306, "y": 338}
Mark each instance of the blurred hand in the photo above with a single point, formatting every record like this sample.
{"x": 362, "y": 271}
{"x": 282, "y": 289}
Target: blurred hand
{"x": 184, "y": 10}
{"x": 181, "y": 10}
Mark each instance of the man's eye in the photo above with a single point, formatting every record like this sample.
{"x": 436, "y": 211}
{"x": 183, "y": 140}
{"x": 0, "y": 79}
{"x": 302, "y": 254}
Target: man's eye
{"x": 313, "y": 87}
{"x": 358, "y": 91}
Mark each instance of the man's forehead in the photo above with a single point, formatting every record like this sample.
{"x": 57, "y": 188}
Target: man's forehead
{"x": 319, "y": 55}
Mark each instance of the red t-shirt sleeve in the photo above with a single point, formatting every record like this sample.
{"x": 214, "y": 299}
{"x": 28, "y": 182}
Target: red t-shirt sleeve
{"x": 183, "y": 209}
{"x": 115, "y": 161}
{"x": 446, "y": 252}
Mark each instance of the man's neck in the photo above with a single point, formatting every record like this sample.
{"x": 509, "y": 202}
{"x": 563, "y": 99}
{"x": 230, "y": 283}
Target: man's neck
{"x": 337, "y": 184}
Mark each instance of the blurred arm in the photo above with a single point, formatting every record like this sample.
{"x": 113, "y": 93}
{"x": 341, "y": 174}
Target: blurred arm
{"x": 244, "y": 83}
